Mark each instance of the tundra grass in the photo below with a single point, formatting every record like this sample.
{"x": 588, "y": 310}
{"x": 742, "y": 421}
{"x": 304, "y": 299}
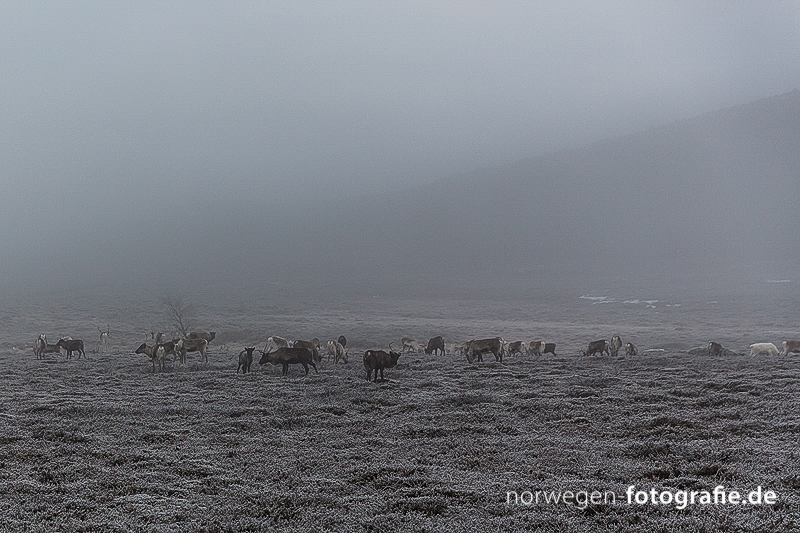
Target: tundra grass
{"x": 105, "y": 444}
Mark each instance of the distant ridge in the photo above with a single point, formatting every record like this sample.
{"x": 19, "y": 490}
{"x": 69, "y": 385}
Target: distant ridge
{"x": 695, "y": 195}
{"x": 720, "y": 141}
{"x": 707, "y": 199}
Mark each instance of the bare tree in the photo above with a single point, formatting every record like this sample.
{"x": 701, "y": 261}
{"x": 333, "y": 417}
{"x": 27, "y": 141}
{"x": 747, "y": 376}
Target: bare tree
{"x": 180, "y": 312}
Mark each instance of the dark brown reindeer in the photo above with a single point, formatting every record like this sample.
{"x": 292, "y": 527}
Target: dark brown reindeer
{"x": 600, "y": 347}
{"x": 435, "y": 344}
{"x": 245, "y": 360}
{"x": 289, "y": 356}
{"x": 312, "y": 346}
{"x": 71, "y": 345}
{"x": 375, "y": 360}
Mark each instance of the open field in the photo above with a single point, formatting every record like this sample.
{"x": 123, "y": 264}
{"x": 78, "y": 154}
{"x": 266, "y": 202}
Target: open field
{"x": 105, "y": 444}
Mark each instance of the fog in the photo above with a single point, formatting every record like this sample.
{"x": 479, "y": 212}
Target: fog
{"x": 404, "y": 146}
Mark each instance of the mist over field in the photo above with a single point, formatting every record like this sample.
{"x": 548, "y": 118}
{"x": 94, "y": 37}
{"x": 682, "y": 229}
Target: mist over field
{"x": 704, "y": 202}
{"x": 399, "y": 149}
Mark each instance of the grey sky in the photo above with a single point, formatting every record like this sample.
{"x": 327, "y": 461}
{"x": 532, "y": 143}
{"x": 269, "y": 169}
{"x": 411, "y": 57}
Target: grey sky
{"x": 112, "y": 106}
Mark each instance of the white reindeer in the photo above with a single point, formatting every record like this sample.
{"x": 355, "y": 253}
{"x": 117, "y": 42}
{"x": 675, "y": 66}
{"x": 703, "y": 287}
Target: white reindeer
{"x": 103, "y": 346}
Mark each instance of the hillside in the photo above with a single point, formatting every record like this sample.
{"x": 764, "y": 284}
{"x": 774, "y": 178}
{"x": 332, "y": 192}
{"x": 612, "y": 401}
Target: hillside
{"x": 704, "y": 195}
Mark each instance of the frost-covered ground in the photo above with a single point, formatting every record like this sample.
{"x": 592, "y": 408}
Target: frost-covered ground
{"x": 105, "y": 444}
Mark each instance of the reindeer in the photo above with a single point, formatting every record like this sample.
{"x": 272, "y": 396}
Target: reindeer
{"x": 156, "y": 353}
{"x": 102, "y": 347}
{"x": 245, "y": 360}
{"x": 375, "y": 360}
{"x": 71, "y": 345}
{"x": 42, "y": 347}
{"x": 336, "y": 350}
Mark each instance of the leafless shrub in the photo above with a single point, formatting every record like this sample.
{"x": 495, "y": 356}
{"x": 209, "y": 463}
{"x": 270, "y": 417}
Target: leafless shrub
{"x": 180, "y": 312}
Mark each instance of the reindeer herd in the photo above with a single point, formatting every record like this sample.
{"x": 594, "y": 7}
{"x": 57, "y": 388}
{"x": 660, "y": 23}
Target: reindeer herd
{"x": 42, "y": 347}
{"x": 280, "y": 351}
{"x": 195, "y": 341}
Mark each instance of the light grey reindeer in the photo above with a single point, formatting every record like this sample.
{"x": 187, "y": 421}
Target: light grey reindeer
{"x": 102, "y": 347}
